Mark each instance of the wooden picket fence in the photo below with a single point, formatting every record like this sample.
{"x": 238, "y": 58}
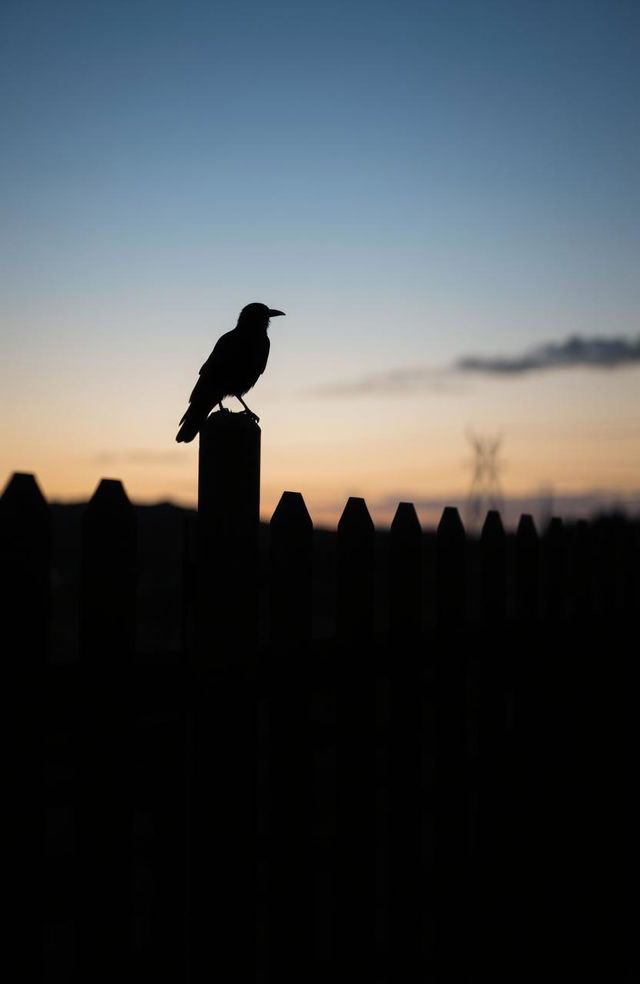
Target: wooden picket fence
{"x": 426, "y": 795}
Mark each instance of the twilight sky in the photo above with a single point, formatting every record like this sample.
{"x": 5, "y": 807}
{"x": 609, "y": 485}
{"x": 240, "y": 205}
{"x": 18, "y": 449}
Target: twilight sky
{"x": 442, "y": 195}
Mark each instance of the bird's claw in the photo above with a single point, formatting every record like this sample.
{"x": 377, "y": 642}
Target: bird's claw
{"x": 252, "y": 415}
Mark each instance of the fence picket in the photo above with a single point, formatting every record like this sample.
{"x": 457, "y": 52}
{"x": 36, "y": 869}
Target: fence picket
{"x": 25, "y": 571}
{"x": 451, "y": 806}
{"x": 355, "y": 583}
{"x": 405, "y": 573}
{"x": 108, "y": 590}
{"x": 527, "y": 572}
{"x": 25, "y": 559}
{"x": 354, "y": 680}
{"x": 493, "y": 821}
{"x": 103, "y": 742}
{"x": 290, "y": 771}
{"x": 493, "y": 543}
{"x": 291, "y": 542}
{"x": 554, "y": 569}
{"x": 406, "y": 810}
{"x": 450, "y": 569}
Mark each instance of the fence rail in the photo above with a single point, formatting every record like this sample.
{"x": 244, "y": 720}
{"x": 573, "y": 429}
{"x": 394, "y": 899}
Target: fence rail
{"x": 431, "y": 793}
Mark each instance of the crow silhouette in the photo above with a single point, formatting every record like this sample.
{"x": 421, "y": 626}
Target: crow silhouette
{"x": 238, "y": 358}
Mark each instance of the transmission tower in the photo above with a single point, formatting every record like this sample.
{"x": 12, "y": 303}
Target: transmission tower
{"x": 485, "y": 492}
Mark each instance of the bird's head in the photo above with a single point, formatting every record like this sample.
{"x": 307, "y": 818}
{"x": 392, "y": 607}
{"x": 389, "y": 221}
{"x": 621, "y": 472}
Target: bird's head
{"x": 257, "y": 314}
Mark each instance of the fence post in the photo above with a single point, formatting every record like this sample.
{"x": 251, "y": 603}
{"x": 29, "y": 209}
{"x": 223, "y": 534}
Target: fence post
{"x": 221, "y": 813}
{"x": 104, "y": 734}
{"x": 25, "y": 558}
{"x": 228, "y": 527}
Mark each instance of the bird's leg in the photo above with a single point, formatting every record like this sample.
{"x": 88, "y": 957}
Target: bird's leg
{"x": 250, "y": 412}
{"x": 223, "y": 409}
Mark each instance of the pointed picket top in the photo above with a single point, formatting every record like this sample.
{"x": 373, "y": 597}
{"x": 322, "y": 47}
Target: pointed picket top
{"x": 554, "y": 568}
{"x": 492, "y": 529}
{"x": 291, "y": 511}
{"x": 24, "y": 513}
{"x": 110, "y": 494}
{"x": 25, "y": 567}
{"x": 22, "y": 492}
{"x": 526, "y": 532}
{"x": 290, "y": 552}
{"x": 450, "y": 567}
{"x": 406, "y": 522}
{"x": 582, "y": 542}
{"x": 526, "y": 571}
{"x": 355, "y": 571}
{"x": 450, "y": 526}
{"x": 554, "y": 538}
{"x": 356, "y": 517}
{"x": 581, "y": 550}
{"x": 108, "y": 575}
{"x": 110, "y": 513}
{"x": 405, "y": 574}
{"x": 493, "y": 543}
{"x": 527, "y": 550}
{"x": 555, "y": 528}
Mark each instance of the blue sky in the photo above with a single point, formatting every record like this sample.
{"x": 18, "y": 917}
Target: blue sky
{"x": 413, "y": 183}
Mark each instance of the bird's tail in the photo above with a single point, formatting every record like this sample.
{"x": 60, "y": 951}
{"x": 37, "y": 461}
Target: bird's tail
{"x": 191, "y": 423}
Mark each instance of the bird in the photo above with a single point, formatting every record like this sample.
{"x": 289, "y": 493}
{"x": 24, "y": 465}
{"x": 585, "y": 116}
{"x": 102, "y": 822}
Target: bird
{"x": 238, "y": 358}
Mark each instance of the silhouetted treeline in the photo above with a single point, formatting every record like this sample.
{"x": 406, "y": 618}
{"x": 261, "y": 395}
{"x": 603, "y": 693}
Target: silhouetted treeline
{"x": 421, "y": 768}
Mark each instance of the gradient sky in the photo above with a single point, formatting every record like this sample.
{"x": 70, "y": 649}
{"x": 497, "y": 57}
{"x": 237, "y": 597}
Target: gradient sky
{"x": 414, "y": 183}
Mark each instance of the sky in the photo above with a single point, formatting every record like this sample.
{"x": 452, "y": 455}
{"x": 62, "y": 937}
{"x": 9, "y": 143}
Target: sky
{"x": 443, "y": 196}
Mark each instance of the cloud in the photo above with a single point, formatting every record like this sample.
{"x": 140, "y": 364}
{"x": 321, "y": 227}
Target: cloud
{"x": 592, "y": 353}
{"x": 599, "y": 353}
{"x": 392, "y": 381}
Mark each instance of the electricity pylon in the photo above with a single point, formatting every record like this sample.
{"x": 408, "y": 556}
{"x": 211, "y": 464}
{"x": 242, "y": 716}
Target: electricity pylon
{"x": 485, "y": 492}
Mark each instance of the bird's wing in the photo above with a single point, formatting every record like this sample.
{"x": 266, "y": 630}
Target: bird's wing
{"x": 220, "y": 359}
{"x": 215, "y": 371}
{"x": 264, "y": 355}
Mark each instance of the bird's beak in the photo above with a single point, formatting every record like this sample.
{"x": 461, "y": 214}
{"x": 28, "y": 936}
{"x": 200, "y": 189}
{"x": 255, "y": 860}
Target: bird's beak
{"x": 274, "y": 314}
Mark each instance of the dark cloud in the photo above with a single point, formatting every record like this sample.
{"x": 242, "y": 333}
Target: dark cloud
{"x": 599, "y": 353}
